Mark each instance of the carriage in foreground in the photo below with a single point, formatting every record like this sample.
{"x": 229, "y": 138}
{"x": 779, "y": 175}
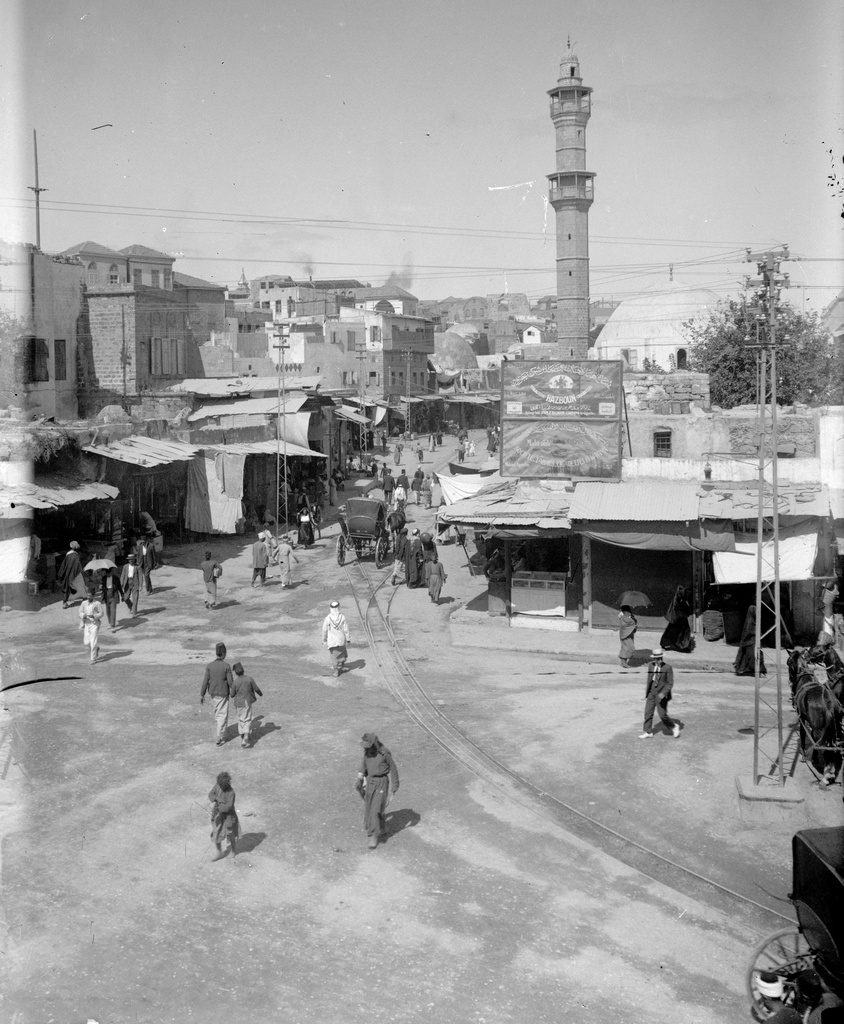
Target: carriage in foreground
{"x": 363, "y": 526}
{"x": 802, "y": 967}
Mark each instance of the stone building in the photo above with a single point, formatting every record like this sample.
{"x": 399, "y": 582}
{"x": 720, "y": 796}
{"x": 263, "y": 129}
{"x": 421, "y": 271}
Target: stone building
{"x": 140, "y": 325}
{"x": 42, "y": 298}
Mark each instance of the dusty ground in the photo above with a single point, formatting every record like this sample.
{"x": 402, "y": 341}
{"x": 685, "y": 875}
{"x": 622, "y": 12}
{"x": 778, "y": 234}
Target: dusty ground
{"x": 475, "y": 909}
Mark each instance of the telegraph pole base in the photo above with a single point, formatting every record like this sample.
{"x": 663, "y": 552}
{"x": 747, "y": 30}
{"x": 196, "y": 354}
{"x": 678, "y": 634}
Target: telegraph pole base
{"x": 769, "y": 803}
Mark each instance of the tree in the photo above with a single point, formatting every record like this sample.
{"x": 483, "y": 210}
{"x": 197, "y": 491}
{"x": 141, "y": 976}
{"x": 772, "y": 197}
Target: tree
{"x": 810, "y": 368}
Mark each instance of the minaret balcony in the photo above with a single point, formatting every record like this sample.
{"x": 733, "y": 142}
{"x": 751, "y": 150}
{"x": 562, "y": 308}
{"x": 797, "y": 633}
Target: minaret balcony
{"x": 577, "y": 186}
{"x": 570, "y": 101}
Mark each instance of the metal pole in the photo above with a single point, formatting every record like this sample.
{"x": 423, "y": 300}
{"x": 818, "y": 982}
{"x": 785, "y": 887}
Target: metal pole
{"x": 776, "y": 527}
{"x": 280, "y": 433}
{"x": 37, "y": 192}
{"x": 761, "y": 357}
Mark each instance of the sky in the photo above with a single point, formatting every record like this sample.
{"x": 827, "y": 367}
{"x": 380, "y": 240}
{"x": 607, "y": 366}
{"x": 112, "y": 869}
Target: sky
{"x": 339, "y": 139}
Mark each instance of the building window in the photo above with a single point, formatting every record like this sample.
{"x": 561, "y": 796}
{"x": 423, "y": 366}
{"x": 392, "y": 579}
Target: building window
{"x": 137, "y": 277}
{"x": 343, "y": 378}
{"x": 351, "y": 344}
{"x": 168, "y": 279}
{"x": 631, "y": 357}
{"x": 113, "y": 274}
{"x": 92, "y": 277}
{"x": 265, "y": 305}
{"x": 278, "y": 306}
{"x": 39, "y": 360}
{"x": 682, "y": 359}
{"x": 60, "y": 358}
{"x": 155, "y": 278}
{"x": 376, "y": 335}
{"x": 155, "y": 358}
{"x": 662, "y": 444}
{"x": 333, "y": 337}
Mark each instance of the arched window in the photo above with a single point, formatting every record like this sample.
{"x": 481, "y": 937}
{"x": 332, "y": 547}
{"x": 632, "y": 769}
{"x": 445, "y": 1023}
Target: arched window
{"x": 113, "y": 274}
{"x": 92, "y": 275}
{"x": 682, "y": 359}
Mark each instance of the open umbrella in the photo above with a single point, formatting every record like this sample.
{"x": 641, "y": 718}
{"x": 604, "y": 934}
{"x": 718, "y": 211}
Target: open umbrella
{"x": 99, "y": 563}
{"x": 635, "y": 598}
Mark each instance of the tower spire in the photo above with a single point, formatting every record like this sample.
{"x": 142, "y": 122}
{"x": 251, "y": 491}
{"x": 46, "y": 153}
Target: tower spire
{"x": 571, "y": 195}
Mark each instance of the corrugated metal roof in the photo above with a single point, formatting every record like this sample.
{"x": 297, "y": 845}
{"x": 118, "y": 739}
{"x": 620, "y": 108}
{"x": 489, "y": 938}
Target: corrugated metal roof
{"x": 51, "y": 492}
{"x": 221, "y": 386}
{"x": 346, "y": 413}
{"x": 144, "y": 451}
{"x": 249, "y": 407}
{"x": 513, "y": 504}
{"x": 635, "y": 500}
{"x": 264, "y": 448}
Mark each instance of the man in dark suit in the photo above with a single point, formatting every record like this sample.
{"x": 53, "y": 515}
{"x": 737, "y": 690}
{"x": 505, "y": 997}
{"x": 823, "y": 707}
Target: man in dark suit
{"x": 145, "y": 553}
{"x": 130, "y": 583}
{"x": 657, "y": 695}
{"x": 109, "y": 592}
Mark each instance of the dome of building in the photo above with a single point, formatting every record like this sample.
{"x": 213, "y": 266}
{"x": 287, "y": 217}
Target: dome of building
{"x": 453, "y": 352}
{"x": 650, "y": 326}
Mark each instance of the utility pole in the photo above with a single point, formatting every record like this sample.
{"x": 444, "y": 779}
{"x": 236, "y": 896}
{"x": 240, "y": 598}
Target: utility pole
{"x": 280, "y": 431}
{"x": 407, "y": 353}
{"x": 767, "y": 690}
{"x": 361, "y": 357}
{"x": 37, "y": 192}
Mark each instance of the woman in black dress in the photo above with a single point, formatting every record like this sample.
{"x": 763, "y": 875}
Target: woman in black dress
{"x": 678, "y": 633}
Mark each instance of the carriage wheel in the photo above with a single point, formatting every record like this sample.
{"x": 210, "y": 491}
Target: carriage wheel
{"x": 341, "y": 550}
{"x": 785, "y": 953}
{"x": 382, "y": 549}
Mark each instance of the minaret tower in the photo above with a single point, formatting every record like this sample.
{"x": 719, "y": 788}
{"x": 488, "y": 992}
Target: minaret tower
{"x": 570, "y": 193}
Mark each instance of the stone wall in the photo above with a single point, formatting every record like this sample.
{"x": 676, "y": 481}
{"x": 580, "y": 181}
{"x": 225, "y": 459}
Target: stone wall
{"x": 666, "y": 393}
{"x": 795, "y": 428}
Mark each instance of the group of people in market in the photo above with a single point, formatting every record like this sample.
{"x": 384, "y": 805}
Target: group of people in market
{"x": 416, "y": 562}
{"x": 102, "y": 585}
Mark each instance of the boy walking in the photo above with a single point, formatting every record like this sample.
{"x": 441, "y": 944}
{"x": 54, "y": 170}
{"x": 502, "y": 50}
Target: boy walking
{"x": 244, "y": 695}
{"x": 90, "y": 617}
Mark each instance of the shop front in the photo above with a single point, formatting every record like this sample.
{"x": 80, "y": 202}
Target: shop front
{"x": 522, "y": 548}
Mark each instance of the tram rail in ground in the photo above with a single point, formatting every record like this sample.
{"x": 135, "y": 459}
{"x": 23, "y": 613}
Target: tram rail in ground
{"x": 407, "y": 690}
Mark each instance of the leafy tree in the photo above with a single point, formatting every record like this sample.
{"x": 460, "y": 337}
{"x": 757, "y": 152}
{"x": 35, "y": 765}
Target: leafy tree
{"x": 809, "y": 368}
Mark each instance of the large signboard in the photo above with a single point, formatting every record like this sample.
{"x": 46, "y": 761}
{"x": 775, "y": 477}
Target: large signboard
{"x": 561, "y": 419}
{"x": 562, "y": 389}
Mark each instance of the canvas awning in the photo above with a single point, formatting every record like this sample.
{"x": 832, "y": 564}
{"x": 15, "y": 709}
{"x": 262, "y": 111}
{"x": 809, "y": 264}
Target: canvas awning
{"x": 144, "y": 451}
{"x": 798, "y": 548}
{"x": 250, "y": 407}
{"x": 716, "y": 535}
{"x": 49, "y": 493}
{"x": 346, "y": 413}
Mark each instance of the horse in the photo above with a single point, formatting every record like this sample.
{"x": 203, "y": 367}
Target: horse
{"x": 818, "y": 691}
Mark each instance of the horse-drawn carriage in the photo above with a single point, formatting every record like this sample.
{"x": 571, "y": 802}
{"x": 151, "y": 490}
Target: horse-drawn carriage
{"x": 802, "y": 967}
{"x": 816, "y": 675}
{"x": 363, "y": 526}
